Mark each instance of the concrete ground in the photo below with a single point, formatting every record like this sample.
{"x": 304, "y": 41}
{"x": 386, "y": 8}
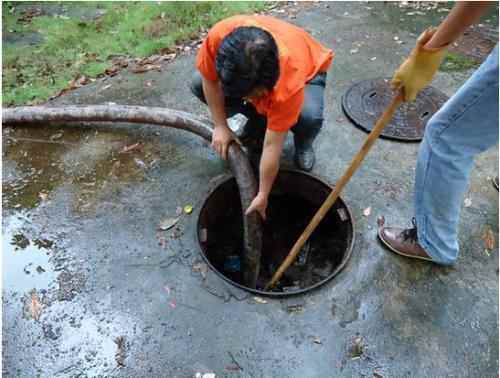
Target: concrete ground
{"x": 80, "y": 224}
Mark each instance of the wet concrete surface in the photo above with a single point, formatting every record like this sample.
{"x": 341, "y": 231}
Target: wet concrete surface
{"x": 86, "y": 212}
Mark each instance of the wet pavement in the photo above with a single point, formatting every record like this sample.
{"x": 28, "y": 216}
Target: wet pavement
{"x": 92, "y": 289}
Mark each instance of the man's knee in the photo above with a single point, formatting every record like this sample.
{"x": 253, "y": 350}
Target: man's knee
{"x": 310, "y": 121}
{"x": 196, "y": 87}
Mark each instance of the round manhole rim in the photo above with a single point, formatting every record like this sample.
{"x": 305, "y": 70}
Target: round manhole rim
{"x": 360, "y": 125}
{"x": 216, "y": 183}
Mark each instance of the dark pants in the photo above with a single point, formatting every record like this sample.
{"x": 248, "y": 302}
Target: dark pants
{"x": 310, "y": 119}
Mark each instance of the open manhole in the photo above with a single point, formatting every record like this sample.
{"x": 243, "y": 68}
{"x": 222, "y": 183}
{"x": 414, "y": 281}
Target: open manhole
{"x": 365, "y": 101}
{"x": 295, "y": 198}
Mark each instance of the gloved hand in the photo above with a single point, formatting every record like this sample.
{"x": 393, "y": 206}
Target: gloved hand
{"x": 417, "y": 71}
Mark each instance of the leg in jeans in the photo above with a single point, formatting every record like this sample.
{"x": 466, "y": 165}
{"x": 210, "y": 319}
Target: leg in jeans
{"x": 310, "y": 122}
{"x": 465, "y": 126}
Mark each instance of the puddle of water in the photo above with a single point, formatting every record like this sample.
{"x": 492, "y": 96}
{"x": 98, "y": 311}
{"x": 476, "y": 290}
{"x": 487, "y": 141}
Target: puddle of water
{"x": 39, "y": 160}
{"x": 25, "y": 262}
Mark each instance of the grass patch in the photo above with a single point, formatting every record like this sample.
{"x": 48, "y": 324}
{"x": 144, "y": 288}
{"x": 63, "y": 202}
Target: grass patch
{"x": 74, "y": 45}
{"x": 457, "y": 62}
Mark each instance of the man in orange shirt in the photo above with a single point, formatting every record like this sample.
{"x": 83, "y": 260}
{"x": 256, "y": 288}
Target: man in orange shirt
{"x": 272, "y": 72}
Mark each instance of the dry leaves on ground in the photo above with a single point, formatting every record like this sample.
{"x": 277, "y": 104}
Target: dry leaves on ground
{"x": 488, "y": 238}
{"x": 259, "y": 300}
{"x": 29, "y": 14}
{"x": 77, "y": 82}
{"x": 35, "y": 306}
{"x": 120, "y": 353}
{"x": 130, "y": 147}
{"x": 202, "y": 268}
{"x": 168, "y": 223}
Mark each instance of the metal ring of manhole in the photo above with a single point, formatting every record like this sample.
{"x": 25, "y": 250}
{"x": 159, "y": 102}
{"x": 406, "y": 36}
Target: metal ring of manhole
{"x": 295, "y": 198}
{"x": 364, "y": 102}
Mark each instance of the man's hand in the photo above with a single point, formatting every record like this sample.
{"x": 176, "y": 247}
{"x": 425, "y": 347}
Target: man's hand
{"x": 258, "y": 204}
{"x": 221, "y": 138}
{"x": 419, "y": 68}
{"x": 269, "y": 166}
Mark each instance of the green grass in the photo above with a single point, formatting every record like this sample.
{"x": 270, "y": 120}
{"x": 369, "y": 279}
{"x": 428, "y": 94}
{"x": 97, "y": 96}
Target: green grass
{"x": 457, "y": 62}
{"x": 72, "y": 46}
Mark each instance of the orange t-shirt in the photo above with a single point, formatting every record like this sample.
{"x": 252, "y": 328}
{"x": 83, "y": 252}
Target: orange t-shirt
{"x": 301, "y": 57}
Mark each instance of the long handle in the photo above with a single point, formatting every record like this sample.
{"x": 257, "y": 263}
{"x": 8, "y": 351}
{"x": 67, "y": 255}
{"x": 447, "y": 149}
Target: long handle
{"x": 355, "y": 163}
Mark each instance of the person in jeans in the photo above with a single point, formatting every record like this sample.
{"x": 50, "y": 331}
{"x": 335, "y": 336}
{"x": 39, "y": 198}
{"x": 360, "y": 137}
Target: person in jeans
{"x": 272, "y": 72}
{"x": 465, "y": 126}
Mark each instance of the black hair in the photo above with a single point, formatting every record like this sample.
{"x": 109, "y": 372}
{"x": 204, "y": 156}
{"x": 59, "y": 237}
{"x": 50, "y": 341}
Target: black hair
{"x": 247, "y": 58}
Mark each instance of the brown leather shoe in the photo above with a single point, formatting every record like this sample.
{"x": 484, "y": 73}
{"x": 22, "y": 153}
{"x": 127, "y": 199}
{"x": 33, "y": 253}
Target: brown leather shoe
{"x": 403, "y": 241}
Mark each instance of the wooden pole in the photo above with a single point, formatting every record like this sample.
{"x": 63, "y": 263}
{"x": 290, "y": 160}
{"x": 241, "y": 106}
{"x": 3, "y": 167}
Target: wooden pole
{"x": 355, "y": 163}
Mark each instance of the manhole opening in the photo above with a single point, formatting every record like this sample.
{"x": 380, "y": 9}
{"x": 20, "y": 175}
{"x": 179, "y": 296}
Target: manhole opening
{"x": 295, "y": 198}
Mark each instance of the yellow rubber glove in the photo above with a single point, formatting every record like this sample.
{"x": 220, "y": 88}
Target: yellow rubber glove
{"x": 417, "y": 71}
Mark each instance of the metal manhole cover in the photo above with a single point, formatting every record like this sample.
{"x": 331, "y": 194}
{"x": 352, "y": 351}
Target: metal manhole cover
{"x": 364, "y": 102}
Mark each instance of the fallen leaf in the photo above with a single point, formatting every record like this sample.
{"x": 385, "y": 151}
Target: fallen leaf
{"x": 130, "y": 148}
{"x": 357, "y": 348}
{"x": 259, "y": 300}
{"x": 120, "y": 353}
{"x": 140, "y": 163}
{"x": 167, "y": 223}
{"x": 467, "y": 202}
{"x": 43, "y": 196}
{"x": 203, "y": 235}
{"x": 367, "y": 211}
{"x": 112, "y": 71}
{"x": 489, "y": 238}
{"x": 56, "y": 136}
{"x": 146, "y": 68}
{"x": 106, "y": 87}
{"x": 202, "y": 268}
{"x": 188, "y": 209}
{"x": 35, "y": 306}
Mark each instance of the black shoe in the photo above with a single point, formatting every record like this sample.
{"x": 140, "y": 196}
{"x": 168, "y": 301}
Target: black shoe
{"x": 304, "y": 153}
{"x": 495, "y": 182}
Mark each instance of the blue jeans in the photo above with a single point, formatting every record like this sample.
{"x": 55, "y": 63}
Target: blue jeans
{"x": 466, "y": 125}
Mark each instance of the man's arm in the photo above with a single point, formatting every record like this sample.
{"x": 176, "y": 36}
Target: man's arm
{"x": 222, "y": 134}
{"x": 416, "y": 72}
{"x": 269, "y": 166}
{"x": 463, "y": 15}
